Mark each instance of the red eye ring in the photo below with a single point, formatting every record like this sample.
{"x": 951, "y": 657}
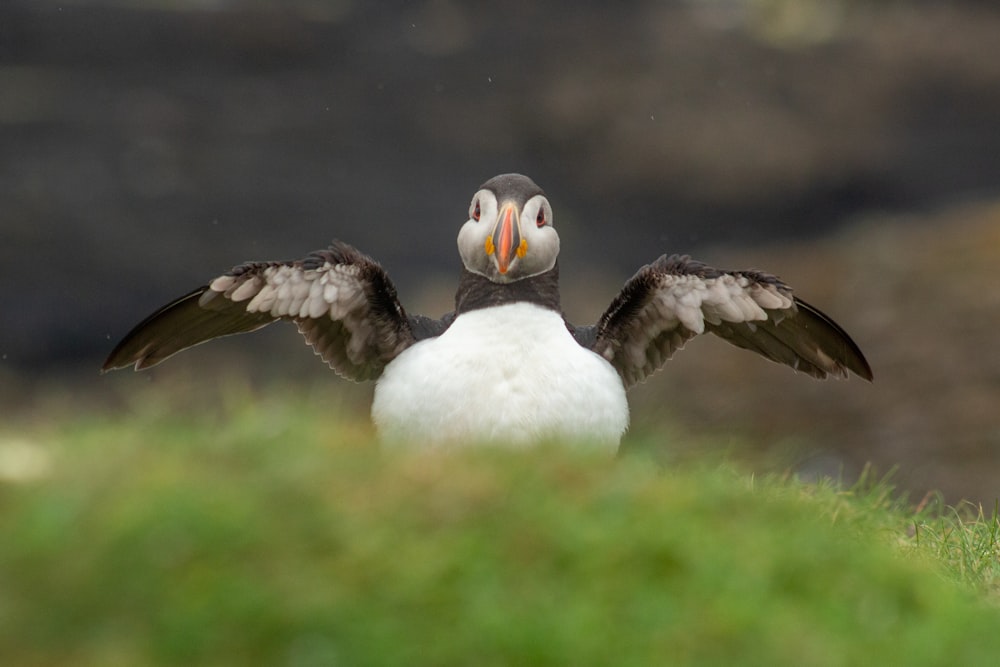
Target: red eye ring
{"x": 476, "y": 213}
{"x": 540, "y": 218}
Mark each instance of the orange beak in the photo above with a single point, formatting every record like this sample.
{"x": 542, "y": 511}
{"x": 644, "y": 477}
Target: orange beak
{"x": 506, "y": 241}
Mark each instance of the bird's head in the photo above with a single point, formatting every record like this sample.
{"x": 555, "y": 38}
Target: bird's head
{"x": 509, "y": 234}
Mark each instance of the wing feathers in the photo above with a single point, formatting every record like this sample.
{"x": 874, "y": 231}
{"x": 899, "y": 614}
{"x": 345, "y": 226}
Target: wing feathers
{"x": 676, "y": 298}
{"x": 178, "y": 326}
{"x": 342, "y": 301}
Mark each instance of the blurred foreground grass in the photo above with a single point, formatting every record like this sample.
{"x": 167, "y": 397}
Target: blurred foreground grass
{"x": 269, "y": 530}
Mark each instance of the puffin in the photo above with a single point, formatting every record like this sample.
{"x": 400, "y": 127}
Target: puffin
{"x": 505, "y": 366}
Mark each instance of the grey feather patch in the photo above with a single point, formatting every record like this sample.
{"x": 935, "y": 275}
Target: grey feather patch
{"x": 342, "y": 301}
{"x": 675, "y": 298}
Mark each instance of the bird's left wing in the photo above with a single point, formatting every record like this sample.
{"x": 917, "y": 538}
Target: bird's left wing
{"x": 675, "y": 298}
{"x": 342, "y": 301}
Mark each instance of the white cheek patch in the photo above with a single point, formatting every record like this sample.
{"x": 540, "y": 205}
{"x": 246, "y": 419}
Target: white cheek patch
{"x": 542, "y": 251}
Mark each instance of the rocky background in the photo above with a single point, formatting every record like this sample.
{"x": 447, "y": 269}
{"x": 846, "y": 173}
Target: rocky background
{"x": 852, "y": 147}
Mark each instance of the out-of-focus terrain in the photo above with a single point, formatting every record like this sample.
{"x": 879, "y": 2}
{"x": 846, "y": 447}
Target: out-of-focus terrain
{"x": 920, "y": 296}
{"x": 850, "y": 147}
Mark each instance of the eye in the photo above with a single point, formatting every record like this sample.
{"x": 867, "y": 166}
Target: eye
{"x": 476, "y": 213}
{"x": 540, "y": 218}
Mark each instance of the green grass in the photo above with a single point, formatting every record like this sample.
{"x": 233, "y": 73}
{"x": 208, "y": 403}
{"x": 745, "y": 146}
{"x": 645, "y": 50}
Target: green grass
{"x": 265, "y": 530}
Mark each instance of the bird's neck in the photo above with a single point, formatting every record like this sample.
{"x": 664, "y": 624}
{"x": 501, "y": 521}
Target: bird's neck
{"x": 476, "y": 291}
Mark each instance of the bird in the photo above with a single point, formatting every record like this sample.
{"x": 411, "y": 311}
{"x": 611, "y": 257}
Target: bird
{"x": 505, "y": 366}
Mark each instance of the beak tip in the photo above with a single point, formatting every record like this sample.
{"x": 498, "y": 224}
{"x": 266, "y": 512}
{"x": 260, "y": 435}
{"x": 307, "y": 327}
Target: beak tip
{"x": 505, "y": 243}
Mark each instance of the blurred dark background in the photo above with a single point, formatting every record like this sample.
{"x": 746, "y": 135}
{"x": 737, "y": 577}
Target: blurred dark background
{"x": 852, "y": 147}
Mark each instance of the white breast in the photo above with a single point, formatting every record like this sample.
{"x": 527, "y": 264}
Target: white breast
{"x": 510, "y": 374}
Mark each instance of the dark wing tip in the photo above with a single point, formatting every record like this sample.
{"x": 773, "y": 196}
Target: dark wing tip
{"x": 180, "y": 324}
{"x": 834, "y": 341}
{"x": 138, "y": 347}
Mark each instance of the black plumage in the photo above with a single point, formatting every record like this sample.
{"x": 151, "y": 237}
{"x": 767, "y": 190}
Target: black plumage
{"x": 346, "y": 307}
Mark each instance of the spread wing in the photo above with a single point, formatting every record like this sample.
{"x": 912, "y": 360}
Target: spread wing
{"x": 675, "y": 298}
{"x": 342, "y": 301}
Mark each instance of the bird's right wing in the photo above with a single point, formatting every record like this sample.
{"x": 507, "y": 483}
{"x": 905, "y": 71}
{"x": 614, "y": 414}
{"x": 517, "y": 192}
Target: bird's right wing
{"x": 342, "y": 301}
